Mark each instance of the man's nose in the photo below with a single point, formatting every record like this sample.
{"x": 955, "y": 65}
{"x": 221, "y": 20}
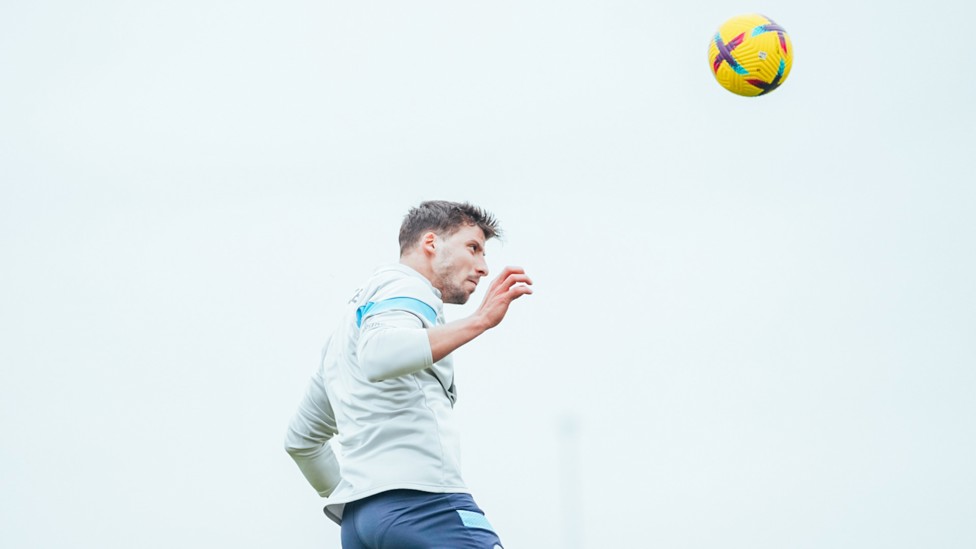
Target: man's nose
{"x": 482, "y": 267}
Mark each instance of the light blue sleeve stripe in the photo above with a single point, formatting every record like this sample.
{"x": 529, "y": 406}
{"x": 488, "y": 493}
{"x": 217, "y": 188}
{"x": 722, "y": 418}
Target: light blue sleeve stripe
{"x": 411, "y": 304}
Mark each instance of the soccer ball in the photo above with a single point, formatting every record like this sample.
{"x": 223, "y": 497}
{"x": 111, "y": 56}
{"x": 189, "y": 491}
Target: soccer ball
{"x": 750, "y": 55}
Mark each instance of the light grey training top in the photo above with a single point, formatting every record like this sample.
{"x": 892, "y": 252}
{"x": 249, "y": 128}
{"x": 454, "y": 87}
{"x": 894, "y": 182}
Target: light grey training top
{"x": 377, "y": 391}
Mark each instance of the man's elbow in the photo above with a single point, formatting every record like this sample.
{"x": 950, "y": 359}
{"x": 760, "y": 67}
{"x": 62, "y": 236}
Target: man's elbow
{"x": 298, "y": 446}
{"x": 375, "y": 368}
{"x": 290, "y": 447}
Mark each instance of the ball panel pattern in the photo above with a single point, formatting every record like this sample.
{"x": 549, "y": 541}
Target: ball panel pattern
{"x": 751, "y": 55}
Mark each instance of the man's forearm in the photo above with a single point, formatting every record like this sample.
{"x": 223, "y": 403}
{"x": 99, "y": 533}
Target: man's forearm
{"x": 320, "y": 467}
{"x": 446, "y": 338}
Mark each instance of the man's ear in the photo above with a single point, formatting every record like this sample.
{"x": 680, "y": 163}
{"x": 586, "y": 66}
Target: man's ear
{"x": 428, "y": 242}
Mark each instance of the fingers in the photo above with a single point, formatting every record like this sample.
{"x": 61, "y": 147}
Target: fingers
{"x": 508, "y": 271}
{"x": 519, "y": 290}
{"x": 511, "y": 276}
{"x": 510, "y": 285}
{"x": 512, "y": 280}
{"x": 514, "y": 285}
{"x": 501, "y": 278}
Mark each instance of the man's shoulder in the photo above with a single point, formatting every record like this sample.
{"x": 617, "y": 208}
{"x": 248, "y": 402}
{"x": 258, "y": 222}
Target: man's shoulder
{"x": 398, "y": 288}
{"x": 399, "y": 281}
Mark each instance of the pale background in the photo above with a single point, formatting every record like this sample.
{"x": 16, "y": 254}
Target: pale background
{"x": 754, "y": 323}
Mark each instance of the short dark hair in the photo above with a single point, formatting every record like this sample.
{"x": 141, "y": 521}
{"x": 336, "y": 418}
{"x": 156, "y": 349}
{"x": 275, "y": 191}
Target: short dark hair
{"x": 445, "y": 218}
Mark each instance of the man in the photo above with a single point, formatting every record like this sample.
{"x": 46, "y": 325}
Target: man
{"x": 385, "y": 390}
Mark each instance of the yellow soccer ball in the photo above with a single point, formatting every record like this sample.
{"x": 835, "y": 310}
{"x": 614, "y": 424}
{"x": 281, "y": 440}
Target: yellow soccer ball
{"x": 750, "y": 55}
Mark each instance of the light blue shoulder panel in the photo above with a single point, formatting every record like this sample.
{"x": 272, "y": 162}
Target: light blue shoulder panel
{"x": 411, "y": 304}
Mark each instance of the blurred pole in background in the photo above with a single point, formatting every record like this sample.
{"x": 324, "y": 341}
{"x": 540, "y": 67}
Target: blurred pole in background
{"x": 570, "y": 481}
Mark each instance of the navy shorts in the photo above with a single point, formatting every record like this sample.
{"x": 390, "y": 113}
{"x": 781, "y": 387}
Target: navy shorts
{"x": 408, "y": 519}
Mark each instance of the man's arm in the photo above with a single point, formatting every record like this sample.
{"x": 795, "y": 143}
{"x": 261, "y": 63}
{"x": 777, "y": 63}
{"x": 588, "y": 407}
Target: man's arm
{"x": 308, "y": 435}
{"x": 512, "y": 284}
{"x": 394, "y": 344}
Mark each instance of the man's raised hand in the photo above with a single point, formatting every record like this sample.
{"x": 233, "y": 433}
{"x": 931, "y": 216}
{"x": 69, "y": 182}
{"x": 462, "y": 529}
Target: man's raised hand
{"x": 510, "y": 285}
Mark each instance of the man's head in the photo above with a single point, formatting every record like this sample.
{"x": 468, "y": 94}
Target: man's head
{"x": 445, "y": 242}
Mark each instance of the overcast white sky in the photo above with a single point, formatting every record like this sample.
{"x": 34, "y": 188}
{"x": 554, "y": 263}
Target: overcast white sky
{"x": 758, "y": 316}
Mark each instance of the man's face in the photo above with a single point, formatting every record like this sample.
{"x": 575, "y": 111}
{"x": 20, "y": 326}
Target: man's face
{"x": 459, "y": 264}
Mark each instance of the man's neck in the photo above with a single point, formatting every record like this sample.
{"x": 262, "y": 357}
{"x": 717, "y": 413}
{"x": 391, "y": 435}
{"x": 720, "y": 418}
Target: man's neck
{"x": 419, "y": 265}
